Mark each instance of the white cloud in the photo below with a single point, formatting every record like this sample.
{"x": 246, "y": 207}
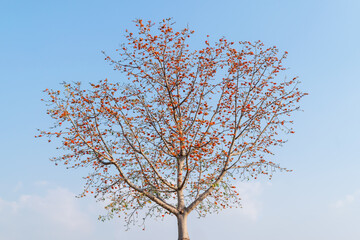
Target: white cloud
{"x": 8, "y": 206}
{"x": 41, "y": 183}
{"x": 250, "y": 193}
{"x": 347, "y": 200}
{"x": 18, "y": 186}
{"x": 57, "y": 215}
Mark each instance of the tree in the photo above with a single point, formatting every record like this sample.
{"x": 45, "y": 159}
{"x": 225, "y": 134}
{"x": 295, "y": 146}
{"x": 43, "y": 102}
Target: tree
{"x": 182, "y": 129}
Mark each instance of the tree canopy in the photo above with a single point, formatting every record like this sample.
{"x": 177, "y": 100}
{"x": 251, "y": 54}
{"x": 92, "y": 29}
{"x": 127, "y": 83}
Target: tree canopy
{"x": 182, "y": 126}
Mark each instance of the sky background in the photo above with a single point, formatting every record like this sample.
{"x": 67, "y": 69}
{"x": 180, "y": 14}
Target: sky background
{"x": 43, "y": 43}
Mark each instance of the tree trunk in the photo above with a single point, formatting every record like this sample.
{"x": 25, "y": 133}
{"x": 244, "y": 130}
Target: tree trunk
{"x": 182, "y": 227}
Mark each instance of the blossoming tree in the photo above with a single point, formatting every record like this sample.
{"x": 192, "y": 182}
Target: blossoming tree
{"x": 180, "y": 129}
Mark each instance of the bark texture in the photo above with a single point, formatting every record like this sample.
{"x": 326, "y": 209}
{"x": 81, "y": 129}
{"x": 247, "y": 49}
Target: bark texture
{"x": 182, "y": 227}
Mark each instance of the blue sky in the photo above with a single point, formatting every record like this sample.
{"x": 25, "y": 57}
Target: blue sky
{"x": 43, "y": 43}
